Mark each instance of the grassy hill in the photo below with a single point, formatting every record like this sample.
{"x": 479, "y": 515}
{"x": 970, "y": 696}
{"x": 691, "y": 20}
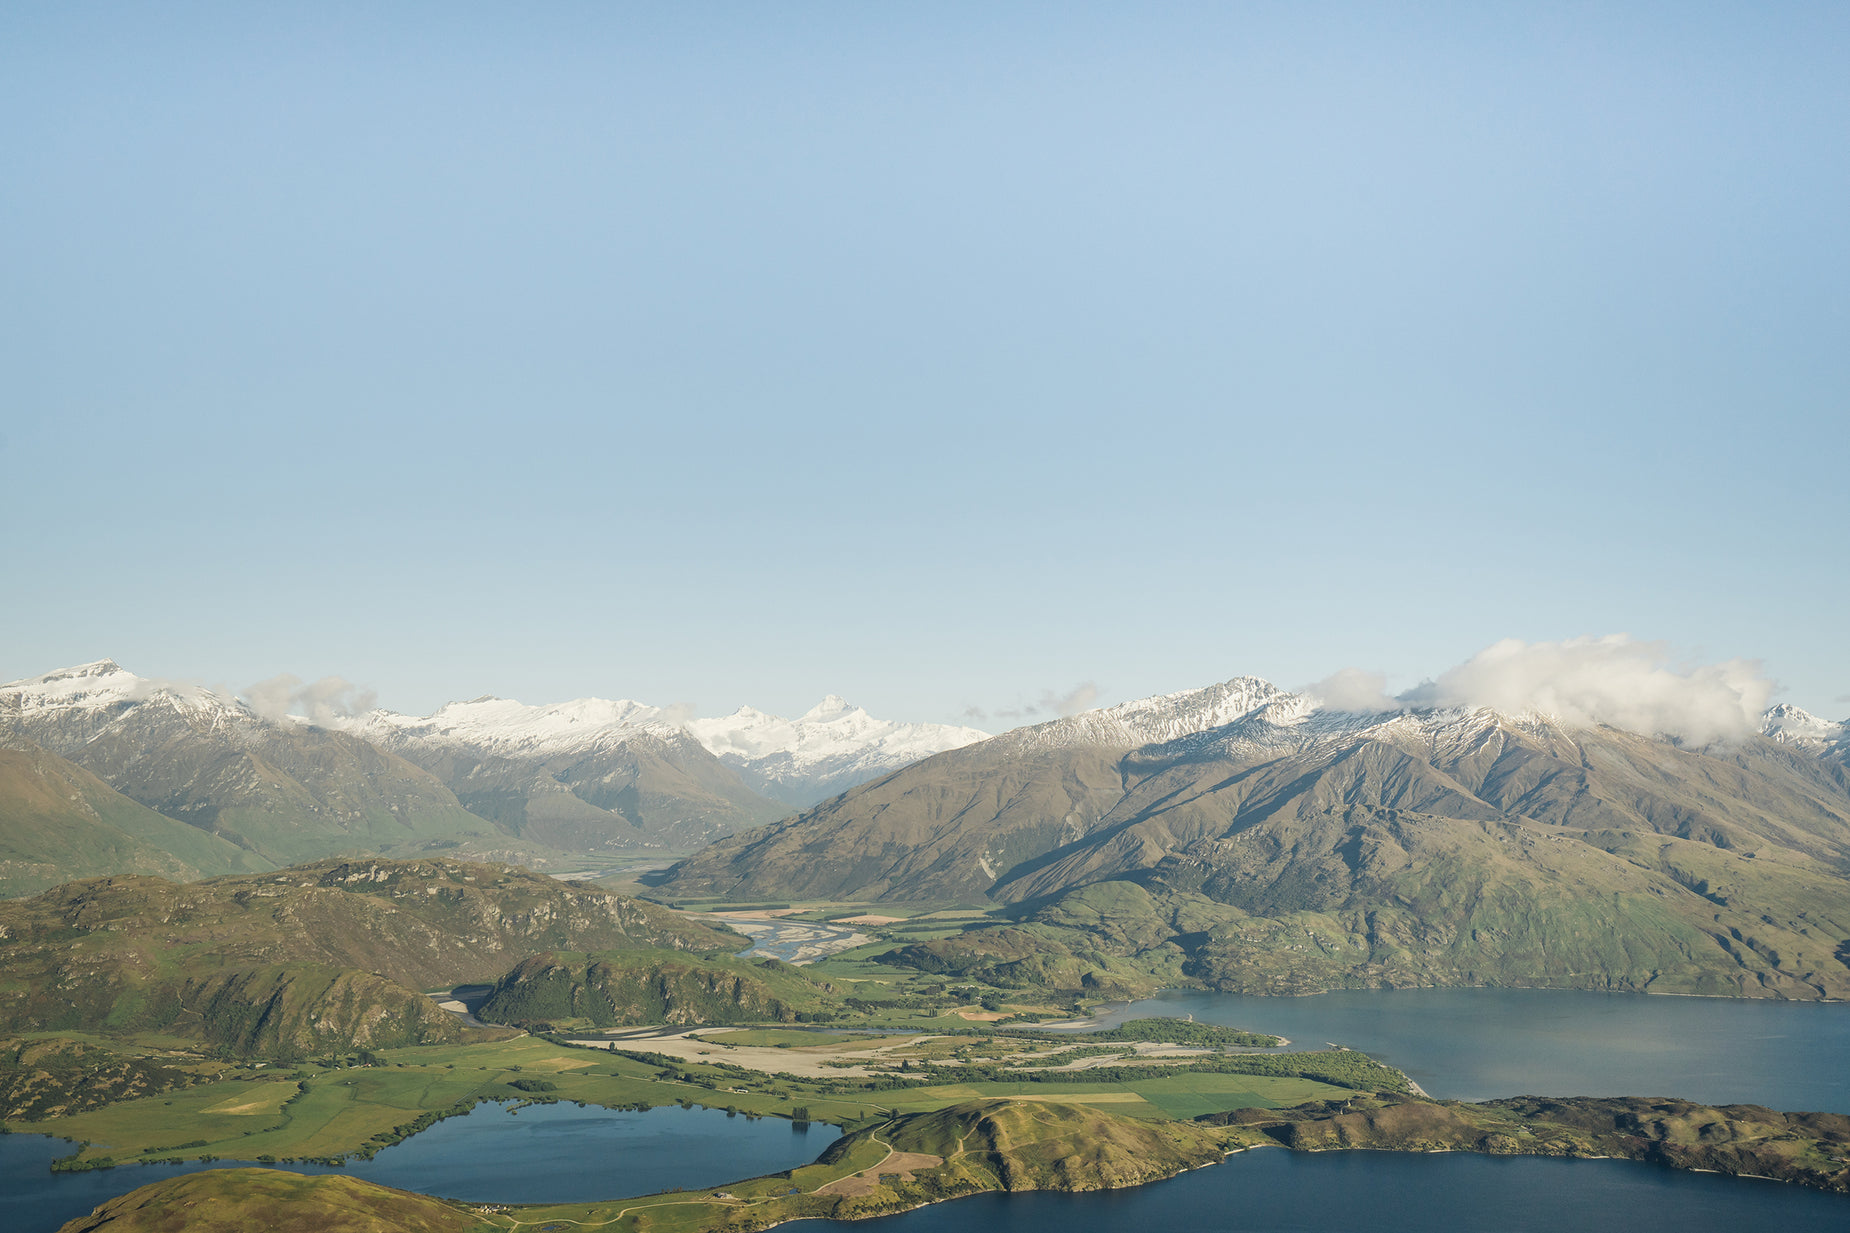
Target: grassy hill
{"x": 1599, "y": 925}
{"x": 315, "y": 957}
{"x": 1809, "y": 1149}
{"x": 1044, "y": 1145}
{"x": 238, "y": 1200}
{"x": 620, "y": 988}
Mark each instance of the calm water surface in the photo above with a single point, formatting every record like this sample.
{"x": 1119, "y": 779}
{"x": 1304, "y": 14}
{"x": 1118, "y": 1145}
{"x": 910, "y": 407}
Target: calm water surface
{"x": 1478, "y": 1044}
{"x": 544, "y": 1152}
{"x": 1468, "y": 1044}
{"x": 1276, "y": 1191}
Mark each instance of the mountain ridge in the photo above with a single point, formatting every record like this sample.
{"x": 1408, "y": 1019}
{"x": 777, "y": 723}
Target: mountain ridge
{"x": 1419, "y": 845}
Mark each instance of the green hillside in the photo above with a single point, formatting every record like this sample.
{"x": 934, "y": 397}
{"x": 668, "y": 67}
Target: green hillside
{"x": 1452, "y": 849}
{"x": 59, "y": 822}
{"x": 621, "y": 988}
{"x": 308, "y": 959}
{"x": 238, "y": 1200}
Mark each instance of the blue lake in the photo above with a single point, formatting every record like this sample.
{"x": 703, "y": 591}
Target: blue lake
{"x": 543, "y": 1152}
{"x": 1478, "y": 1044}
{"x": 1459, "y": 1043}
{"x": 1275, "y": 1191}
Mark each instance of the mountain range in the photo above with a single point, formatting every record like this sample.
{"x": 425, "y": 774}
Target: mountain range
{"x": 830, "y": 748}
{"x": 98, "y": 753}
{"x": 1308, "y": 847}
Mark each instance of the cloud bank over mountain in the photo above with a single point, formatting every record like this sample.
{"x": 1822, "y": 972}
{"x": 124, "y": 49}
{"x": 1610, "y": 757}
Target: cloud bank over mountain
{"x": 322, "y": 701}
{"x": 1582, "y": 682}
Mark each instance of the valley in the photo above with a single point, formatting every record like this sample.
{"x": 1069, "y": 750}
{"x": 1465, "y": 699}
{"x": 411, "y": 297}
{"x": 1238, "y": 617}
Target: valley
{"x": 936, "y": 957}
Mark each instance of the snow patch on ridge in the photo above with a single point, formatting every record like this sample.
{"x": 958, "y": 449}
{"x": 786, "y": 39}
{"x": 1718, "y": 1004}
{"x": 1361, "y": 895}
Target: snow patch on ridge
{"x": 833, "y": 746}
{"x": 1791, "y": 725}
{"x": 1149, "y": 721}
{"x": 512, "y": 729}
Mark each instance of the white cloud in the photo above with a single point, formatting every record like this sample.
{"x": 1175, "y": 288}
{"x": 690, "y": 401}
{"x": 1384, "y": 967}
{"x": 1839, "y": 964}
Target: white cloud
{"x": 1079, "y": 698}
{"x": 270, "y": 698}
{"x": 322, "y": 701}
{"x": 1353, "y": 689}
{"x": 1614, "y": 680}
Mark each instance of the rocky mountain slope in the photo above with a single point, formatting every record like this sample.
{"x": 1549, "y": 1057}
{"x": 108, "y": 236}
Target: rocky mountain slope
{"x": 581, "y": 776}
{"x": 951, "y": 826}
{"x": 282, "y": 791}
{"x": 489, "y": 778}
{"x": 1791, "y": 725}
{"x": 684, "y": 782}
{"x": 310, "y": 958}
{"x": 58, "y": 822}
{"x": 1418, "y": 846}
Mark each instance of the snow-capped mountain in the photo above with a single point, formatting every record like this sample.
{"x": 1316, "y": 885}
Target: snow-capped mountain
{"x": 283, "y": 790}
{"x": 510, "y": 729}
{"x": 830, "y": 748}
{"x": 1791, "y": 725}
{"x": 65, "y": 708}
{"x": 1120, "y": 789}
{"x": 591, "y": 774}
{"x": 1145, "y": 721}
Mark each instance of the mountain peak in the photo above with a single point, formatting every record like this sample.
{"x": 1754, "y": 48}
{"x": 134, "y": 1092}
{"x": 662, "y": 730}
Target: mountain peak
{"x": 829, "y": 707}
{"x": 1148, "y": 721}
{"x": 1792, "y": 725}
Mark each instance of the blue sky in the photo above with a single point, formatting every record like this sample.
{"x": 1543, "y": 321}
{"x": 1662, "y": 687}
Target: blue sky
{"x": 942, "y": 356}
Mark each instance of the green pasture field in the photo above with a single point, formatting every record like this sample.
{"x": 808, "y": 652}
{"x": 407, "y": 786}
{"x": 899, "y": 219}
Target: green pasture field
{"x": 315, "y": 1112}
{"x": 1175, "y": 1097}
{"x": 331, "y": 1112}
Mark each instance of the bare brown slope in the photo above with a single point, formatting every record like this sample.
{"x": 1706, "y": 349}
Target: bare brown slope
{"x": 944, "y": 828}
{"x": 1452, "y": 849}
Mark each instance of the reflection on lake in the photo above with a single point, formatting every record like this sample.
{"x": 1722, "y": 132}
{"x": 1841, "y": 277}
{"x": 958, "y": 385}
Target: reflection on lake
{"x": 555, "y": 1152}
{"x": 1477, "y": 1044}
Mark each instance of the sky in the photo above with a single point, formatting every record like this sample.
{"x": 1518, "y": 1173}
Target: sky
{"x": 959, "y": 359}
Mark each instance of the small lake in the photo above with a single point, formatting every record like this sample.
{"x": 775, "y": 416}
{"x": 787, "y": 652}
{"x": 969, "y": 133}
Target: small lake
{"x": 555, "y": 1152}
{"x": 1479, "y": 1044}
{"x": 1275, "y": 1191}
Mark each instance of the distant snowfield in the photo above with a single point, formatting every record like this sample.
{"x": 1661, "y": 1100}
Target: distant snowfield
{"x": 828, "y": 749}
